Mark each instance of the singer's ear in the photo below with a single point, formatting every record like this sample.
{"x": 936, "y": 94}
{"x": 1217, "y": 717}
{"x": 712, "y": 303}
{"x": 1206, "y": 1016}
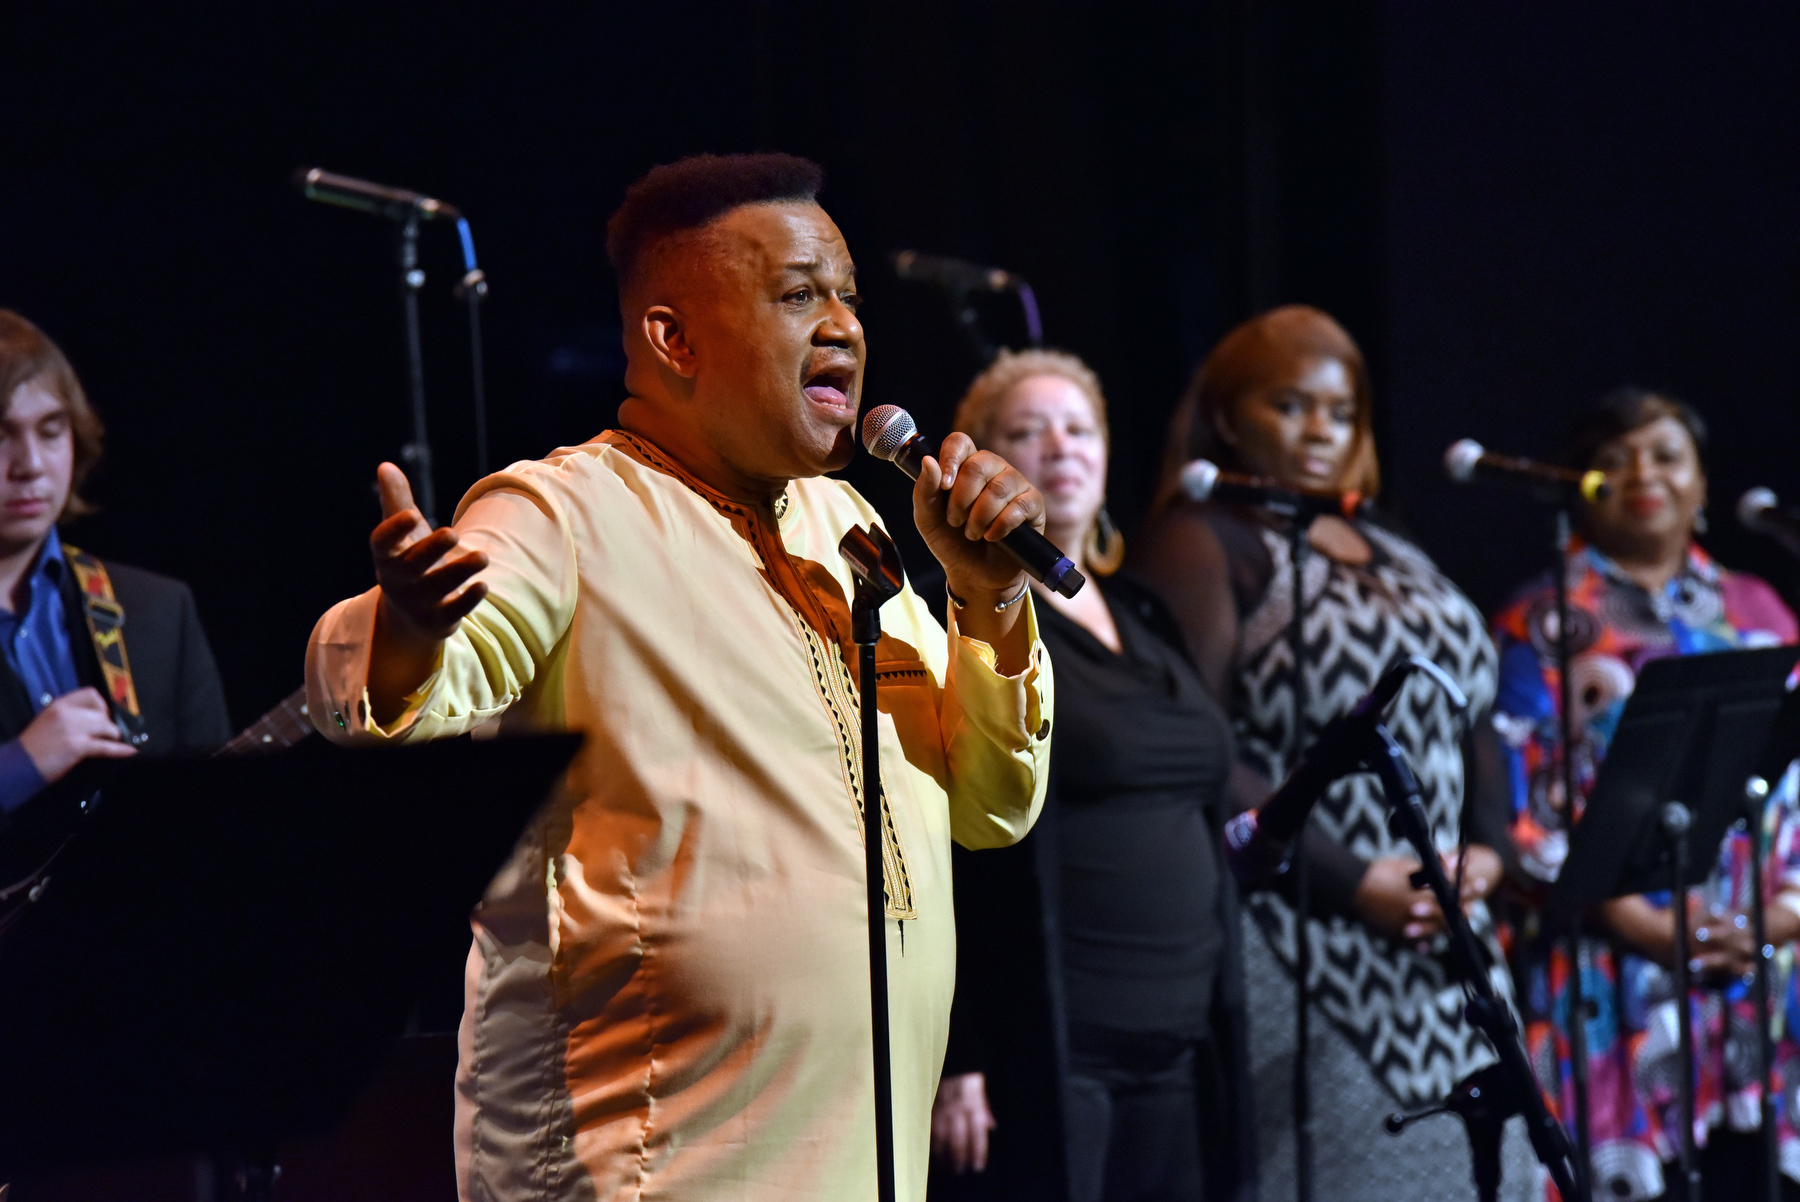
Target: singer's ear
{"x": 667, "y": 335}
{"x": 1221, "y": 424}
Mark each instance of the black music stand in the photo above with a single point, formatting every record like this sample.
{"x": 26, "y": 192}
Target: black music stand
{"x": 222, "y": 957}
{"x": 1693, "y": 732}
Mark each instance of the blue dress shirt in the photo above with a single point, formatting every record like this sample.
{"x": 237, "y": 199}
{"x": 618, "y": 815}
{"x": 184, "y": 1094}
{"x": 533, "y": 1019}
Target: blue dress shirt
{"x": 37, "y": 649}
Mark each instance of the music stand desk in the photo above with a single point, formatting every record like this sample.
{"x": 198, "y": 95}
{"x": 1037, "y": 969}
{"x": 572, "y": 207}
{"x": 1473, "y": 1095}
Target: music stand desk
{"x": 1693, "y": 731}
{"x": 223, "y": 957}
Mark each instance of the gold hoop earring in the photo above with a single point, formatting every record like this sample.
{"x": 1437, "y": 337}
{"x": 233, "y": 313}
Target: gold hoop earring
{"x": 1105, "y": 545}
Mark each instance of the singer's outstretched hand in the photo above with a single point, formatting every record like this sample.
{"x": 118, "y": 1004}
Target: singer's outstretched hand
{"x": 422, "y": 593}
{"x": 965, "y": 502}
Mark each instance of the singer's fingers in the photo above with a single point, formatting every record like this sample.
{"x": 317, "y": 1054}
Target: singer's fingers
{"x": 461, "y": 606}
{"x": 952, "y": 452}
{"x": 414, "y": 559}
{"x": 975, "y": 476}
{"x": 931, "y": 479}
{"x": 396, "y": 492}
{"x": 396, "y": 534}
{"x": 446, "y": 577}
{"x": 1024, "y": 509}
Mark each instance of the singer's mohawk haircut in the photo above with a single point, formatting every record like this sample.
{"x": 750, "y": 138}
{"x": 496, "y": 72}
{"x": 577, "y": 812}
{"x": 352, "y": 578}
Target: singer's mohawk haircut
{"x": 691, "y": 192}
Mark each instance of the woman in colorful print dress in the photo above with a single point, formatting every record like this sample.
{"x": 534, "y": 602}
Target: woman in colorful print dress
{"x": 1640, "y": 588}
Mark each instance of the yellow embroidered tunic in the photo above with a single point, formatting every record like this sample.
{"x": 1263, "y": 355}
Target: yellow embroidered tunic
{"x": 668, "y": 991}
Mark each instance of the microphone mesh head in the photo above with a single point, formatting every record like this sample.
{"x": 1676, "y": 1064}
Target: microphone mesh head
{"x": 887, "y": 428}
{"x": 1753, "y": 504}
{"x": 1461, "y": 458}
{"x": 1198, "y": 478}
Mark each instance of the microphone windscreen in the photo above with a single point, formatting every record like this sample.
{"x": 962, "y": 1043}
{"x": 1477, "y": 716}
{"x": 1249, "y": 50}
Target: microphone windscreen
{"x": 1462, "y": 457}
{"x": 1753, "y": 505}
{"x": 1198, "y": 478}
{"x": 885, "y": 429}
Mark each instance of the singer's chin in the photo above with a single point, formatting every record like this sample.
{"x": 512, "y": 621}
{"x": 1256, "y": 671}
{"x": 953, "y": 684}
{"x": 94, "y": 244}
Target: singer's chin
{"x": 843, "y": 450}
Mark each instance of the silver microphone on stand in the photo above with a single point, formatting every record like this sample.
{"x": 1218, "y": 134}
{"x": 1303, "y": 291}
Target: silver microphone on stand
{"x": 1760, "y": 510}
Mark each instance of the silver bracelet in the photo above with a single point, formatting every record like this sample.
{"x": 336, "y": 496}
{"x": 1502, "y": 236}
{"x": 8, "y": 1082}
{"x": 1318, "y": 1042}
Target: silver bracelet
{"x": 1000, "y": 607}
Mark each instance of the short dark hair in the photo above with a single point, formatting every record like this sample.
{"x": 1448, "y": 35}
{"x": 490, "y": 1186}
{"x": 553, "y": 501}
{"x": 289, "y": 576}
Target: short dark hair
{"x": 27, "y": 356}
{"x": 1620, "y": 412}
{"x": 690, "y": 192}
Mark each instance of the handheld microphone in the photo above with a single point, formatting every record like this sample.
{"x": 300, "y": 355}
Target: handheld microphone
{"x": 396, "y": 204}
{"x": 890, "y": 433}
{"x": 1259, "y": 843}
{"x": 947, "y": 272}
{"x": 1203, "y": 481}
{"x": 1468, "y": 460}
{"x": 1760, "y": 510}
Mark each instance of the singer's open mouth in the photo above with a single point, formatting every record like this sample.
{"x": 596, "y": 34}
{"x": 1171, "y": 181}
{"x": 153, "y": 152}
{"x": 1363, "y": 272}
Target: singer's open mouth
{"x": 831, "y": 387}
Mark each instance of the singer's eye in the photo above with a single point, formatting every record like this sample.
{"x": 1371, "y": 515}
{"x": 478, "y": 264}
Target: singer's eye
{"x": 852, "y": 300}
{"x": 799, "y": 296}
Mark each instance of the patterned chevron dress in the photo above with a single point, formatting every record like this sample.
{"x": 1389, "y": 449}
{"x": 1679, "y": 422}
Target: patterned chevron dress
{"x": 1394, "y": 1037}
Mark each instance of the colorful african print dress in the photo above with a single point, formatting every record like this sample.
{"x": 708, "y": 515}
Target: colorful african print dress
{"x": 1615, "y": 627}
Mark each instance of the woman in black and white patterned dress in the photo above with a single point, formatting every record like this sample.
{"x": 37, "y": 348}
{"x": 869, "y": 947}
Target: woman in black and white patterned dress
{"x": 1286, "y": 396}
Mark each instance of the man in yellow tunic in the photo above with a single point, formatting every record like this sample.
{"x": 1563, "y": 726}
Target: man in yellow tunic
{"x": 667, "y": 994}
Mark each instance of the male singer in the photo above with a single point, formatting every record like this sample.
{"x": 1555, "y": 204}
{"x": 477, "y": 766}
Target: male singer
{"x": 668, "y": 988}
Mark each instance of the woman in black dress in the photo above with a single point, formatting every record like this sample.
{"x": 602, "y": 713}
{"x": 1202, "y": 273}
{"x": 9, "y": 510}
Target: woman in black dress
{"x": 1093, "y": 1024}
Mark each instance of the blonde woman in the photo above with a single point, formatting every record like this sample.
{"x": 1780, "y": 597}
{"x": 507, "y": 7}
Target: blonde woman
{"x": 1091, "y": 1029}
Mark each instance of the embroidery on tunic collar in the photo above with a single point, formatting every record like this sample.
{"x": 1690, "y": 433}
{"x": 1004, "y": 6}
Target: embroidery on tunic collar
{"x": 825, "y": 643}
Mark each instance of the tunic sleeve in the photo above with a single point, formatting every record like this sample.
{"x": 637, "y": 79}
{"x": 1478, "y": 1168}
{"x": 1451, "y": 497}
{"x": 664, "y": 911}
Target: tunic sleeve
{"x": 495, "y": 653}
{"x": 996, "y": 733}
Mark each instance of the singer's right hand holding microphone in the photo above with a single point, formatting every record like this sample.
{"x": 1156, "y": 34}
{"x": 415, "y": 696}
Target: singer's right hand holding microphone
{"x": 965, "y": 501}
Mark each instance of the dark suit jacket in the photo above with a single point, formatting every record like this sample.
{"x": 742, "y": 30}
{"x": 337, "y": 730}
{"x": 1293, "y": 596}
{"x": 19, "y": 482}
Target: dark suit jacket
{"x": 178, "y": 687}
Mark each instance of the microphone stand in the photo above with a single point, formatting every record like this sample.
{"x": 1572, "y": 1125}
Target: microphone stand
{"x": 417, "y": 453}
{"x": 1578, "y": 1004}
{"x": 1487, "y": 1098}
{"x": 875, "y": 563}
{"x": 1298, "y": 526}
{"x": 472, "y": 289}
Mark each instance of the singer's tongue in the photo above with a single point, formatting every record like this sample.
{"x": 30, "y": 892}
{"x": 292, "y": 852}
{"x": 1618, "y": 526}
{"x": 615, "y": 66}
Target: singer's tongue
{"x": 825, "y": 394}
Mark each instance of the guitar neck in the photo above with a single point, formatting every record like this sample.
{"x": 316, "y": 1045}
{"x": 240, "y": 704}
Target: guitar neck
{"x": 280, "y": 728}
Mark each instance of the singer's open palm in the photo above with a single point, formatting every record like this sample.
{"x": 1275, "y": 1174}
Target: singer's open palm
{"x": 414, "y": 565}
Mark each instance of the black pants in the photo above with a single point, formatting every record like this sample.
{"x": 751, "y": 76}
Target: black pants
{"x": 1132, "y": 1118}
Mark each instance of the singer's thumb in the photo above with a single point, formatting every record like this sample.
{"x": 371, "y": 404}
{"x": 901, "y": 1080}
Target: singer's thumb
{"x": 396, "y": 493}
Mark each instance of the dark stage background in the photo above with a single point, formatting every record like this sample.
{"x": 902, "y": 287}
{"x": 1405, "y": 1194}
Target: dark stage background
{"x": 1513, "y": 207}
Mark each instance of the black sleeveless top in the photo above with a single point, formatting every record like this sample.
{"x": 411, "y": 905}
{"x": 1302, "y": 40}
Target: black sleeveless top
{"x": 1139, "y": 767}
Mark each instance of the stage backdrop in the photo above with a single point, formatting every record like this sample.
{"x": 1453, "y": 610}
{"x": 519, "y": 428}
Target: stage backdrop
{"x": 1514, "y": 208}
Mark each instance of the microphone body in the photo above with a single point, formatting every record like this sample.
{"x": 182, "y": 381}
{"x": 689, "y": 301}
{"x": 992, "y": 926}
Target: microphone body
{"x": 1202, "y": 480}
{"x": 1467, "y": 461}
{"x": 890, "y": 433}
{"x": 1259, "y": 843}
{"x": 396, "y": 204}
{"x": 956, "y": 274}
{"x": 1760, "y": 510}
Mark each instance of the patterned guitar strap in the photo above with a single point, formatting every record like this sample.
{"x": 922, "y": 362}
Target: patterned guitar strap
{"x": 106, "y": 627}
